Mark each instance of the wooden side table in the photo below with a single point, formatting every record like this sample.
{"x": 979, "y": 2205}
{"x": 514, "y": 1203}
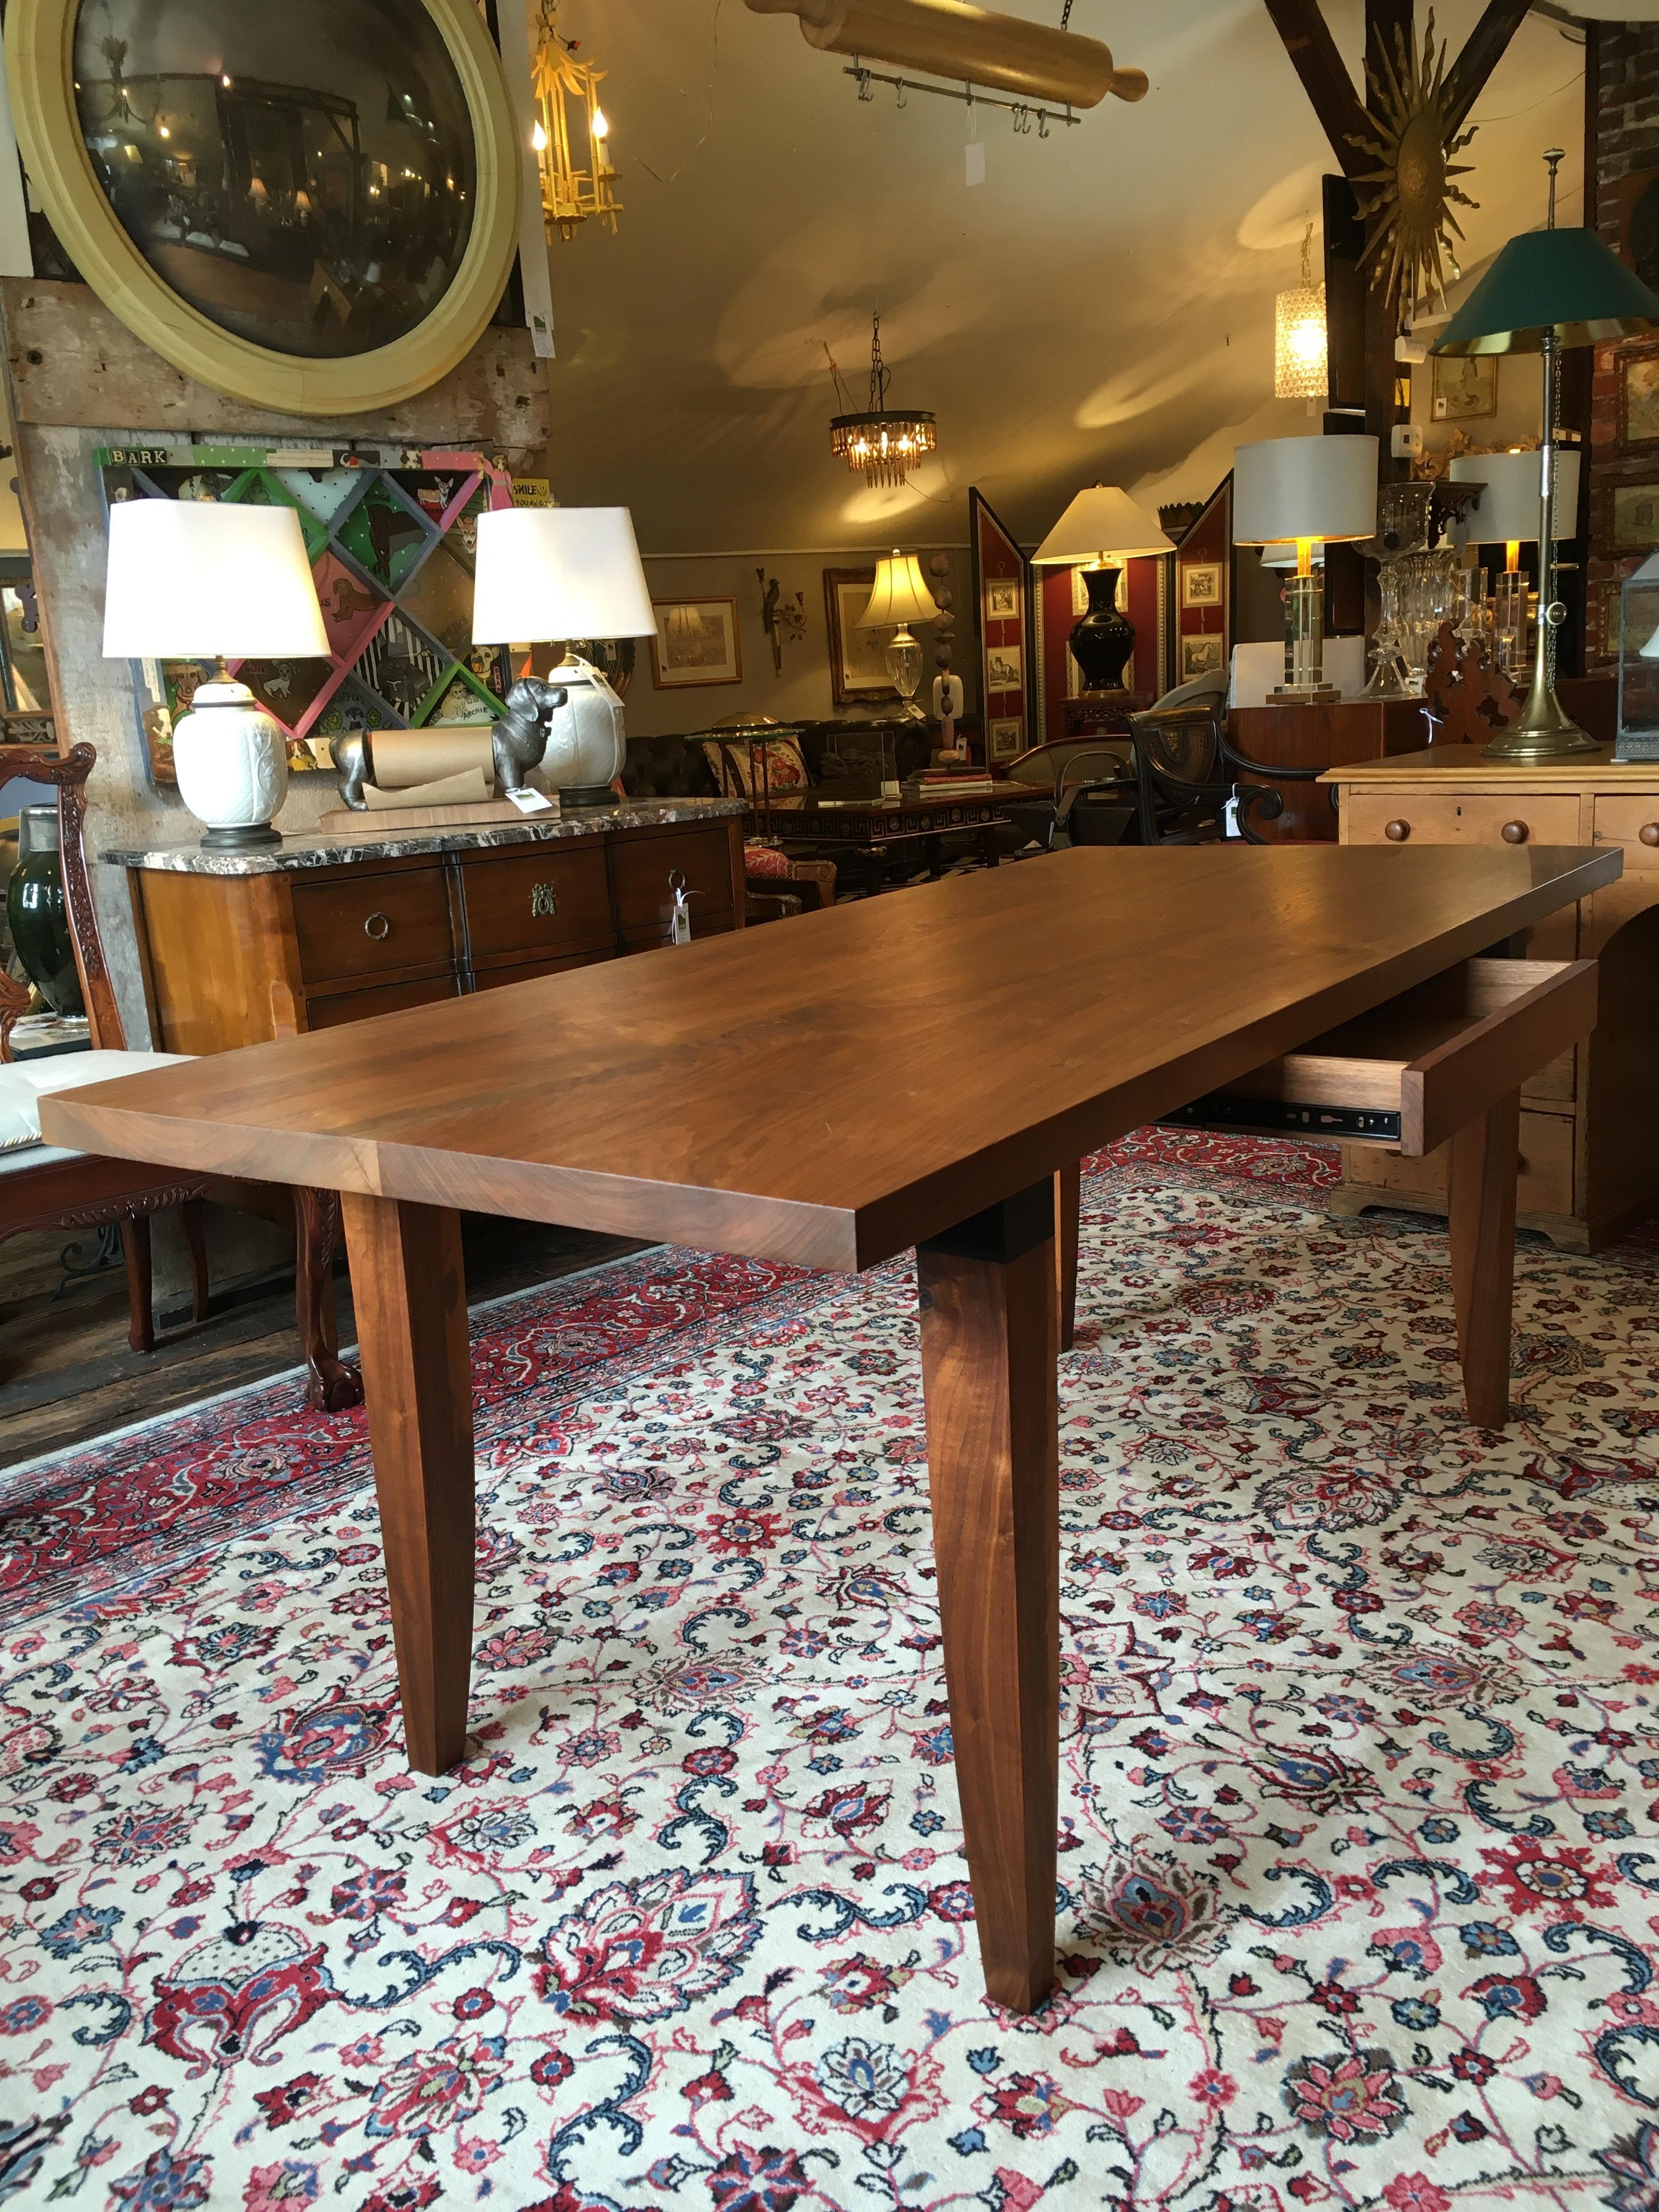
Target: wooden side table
{"x": 1589, "y": 1121}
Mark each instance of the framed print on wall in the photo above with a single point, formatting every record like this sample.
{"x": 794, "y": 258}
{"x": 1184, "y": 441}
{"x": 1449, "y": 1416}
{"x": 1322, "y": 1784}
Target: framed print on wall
{"x": 1201, "y": 583}
{"x": 697, "y": 643}
{"x": 318, "y": 216}
{"x": 1638, "y": 371}
{"x": 1465, "y": 389}
{"x": 858, "y": 658}
{"x": 1201, "y": 656}
{"x": 1635, "y": 518}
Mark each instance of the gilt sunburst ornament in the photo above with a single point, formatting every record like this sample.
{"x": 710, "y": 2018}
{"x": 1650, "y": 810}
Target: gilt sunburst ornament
{"x": 1407, "y": 211}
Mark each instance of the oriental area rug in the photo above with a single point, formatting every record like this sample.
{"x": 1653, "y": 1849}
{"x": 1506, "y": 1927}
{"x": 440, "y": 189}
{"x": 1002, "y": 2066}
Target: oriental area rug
{"x": 1359, "y": 1892}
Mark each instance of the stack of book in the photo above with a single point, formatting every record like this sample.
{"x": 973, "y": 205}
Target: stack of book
{"x": 951, "y": 783}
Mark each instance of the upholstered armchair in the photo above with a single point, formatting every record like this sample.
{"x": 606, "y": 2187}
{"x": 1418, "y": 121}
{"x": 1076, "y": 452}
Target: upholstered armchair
{"x": 678, "y": 768}
{"x": 42, "y": 1186}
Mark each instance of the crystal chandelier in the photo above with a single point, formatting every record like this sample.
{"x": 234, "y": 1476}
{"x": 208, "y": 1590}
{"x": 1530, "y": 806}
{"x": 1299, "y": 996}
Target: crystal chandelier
{"x": 883, "y": 444}
{"x": 576, "y": 183}
{"x": 1300, "y": 370}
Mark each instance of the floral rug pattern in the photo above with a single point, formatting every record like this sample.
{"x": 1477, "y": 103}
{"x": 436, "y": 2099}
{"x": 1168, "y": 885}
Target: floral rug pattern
{"x": 1359, "y": 1897}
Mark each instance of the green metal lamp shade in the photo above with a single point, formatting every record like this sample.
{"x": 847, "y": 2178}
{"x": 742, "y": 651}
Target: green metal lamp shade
{"x": 1566, "y": 281}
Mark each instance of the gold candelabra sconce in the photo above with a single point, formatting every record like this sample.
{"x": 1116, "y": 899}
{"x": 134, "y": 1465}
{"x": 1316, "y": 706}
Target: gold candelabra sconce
{"x": 572, "y": 133}
{"x": 779, "y": 619}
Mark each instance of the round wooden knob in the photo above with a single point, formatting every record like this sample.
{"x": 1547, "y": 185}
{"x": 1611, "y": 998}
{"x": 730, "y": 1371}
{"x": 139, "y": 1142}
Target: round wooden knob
{"x": 1396, "y": 832}
{"x": 1649, "y": 833}
{"x": 1515, "y": 833}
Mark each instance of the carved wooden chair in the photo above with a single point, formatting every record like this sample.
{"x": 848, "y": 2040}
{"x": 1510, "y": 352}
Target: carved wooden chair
{"x": 42, "y": 1186}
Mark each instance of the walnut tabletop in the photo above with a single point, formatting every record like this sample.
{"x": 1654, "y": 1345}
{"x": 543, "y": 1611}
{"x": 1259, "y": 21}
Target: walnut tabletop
{"x": 926, "y": 1069}
{"x": 829, "y": 1093}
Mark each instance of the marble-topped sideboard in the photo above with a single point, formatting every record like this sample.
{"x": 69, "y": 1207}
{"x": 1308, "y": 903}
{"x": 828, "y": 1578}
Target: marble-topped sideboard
{"x": 321, "y": 848}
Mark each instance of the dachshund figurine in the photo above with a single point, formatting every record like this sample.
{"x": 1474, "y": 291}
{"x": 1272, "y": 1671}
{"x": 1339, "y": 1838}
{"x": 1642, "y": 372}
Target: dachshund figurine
{"x": 519, "y": 738}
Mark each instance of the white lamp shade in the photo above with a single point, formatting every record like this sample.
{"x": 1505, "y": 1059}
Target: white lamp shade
{"x": 900, "y": 597}
{"x": 1284, "y": 489}
{"x": 558, "y": 572}
{"x": 1102, "y": 524}
{"x": 190, "y": 579}
{"x": 1509, "y": 507}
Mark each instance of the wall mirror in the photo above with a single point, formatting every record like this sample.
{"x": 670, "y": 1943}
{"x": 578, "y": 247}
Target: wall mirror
{"x": 310, "y": 207}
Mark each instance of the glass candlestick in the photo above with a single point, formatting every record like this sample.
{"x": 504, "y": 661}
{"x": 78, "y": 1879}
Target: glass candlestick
{"x": 1510, "y": 621}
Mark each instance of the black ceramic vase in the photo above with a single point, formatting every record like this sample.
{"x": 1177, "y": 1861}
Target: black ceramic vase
{"x": 38, "y": 914}
{"x": 1103, "y": 639}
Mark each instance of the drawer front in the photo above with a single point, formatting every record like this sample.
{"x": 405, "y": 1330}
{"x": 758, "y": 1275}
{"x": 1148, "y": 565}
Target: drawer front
{"x": 1634, "y": 823}
{"x": 651, "y": 940}
{"x": 371, "y": 924}
{"x": 640, "y": 872}
{"x": 544, "y": 900}
{"x": 329, "y": 1012}
{"x": 525, "y": 971}
{"x": 1477, "y": 818}
{"x": 1544, "y": 1186}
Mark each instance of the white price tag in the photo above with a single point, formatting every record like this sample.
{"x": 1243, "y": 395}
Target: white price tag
{"x": 531, "y": 802}
{"x": 975, "y": 162}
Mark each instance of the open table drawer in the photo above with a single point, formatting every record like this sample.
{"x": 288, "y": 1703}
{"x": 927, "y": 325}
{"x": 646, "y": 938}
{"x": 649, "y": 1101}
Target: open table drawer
{"x": 1413, "y": 1071}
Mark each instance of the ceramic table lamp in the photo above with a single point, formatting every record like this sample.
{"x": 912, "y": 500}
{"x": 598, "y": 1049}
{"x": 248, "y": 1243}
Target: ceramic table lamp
{"x": 1303, "y": 492}
{"x": 189, "y": 579}
{"x": 546, "y": 574}
{"x": 1101, "y": 530}
{"x": 1546, "y": 289}
{"x": 900, "y": 597}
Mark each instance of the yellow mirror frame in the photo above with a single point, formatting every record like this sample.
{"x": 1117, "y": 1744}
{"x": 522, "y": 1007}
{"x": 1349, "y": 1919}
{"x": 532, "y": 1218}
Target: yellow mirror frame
{"x": 40, "y": 64}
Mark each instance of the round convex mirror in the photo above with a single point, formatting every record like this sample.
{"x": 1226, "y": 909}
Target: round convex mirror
{"x": 303, "y": 174}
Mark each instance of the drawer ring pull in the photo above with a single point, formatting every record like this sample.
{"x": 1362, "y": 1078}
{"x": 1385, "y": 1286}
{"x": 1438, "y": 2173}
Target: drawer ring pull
{"x": 1649, "y": 833}
{"x": 1515, "y": 833}
{"x": 383, "y": 930}
{"x": 1396, "y": 832}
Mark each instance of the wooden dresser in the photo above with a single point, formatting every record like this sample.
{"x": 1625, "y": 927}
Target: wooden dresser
{"x": 238, "y": 948}
{"x": 1590, "y": 1124}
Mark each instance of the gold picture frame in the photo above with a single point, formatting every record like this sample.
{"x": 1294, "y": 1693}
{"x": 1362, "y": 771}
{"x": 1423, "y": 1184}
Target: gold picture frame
{"x": 40, "y": 42}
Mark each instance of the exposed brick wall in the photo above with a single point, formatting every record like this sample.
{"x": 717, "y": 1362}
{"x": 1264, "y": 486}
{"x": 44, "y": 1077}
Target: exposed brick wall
{"x": 1626, "y": 123}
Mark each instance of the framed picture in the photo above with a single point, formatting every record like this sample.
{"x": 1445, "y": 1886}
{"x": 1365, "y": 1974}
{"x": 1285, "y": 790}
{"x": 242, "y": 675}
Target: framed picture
{"x": 858, "y": 658}
{"x": 1465, "y": 389}
{"x": 1005, "y": 737}
{"x": 697, "y": 643}
{"x": 1002, "y": 599}
{"x": 1201, "y": 583}
{"x": 1639, "y": 397}
{"x": 1635, "y": 203}
{"x": 1635, "y": 518}
{"x": 1201, "y": 656}
{"x": 1004, "y": 670}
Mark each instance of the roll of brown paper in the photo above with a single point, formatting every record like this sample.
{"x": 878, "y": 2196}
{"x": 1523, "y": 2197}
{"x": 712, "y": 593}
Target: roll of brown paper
{"x": 405, "y": 757}
{"x": 469, "y": 788}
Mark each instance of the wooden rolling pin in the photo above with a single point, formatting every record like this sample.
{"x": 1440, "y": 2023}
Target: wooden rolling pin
{"x": 950, "y": 38}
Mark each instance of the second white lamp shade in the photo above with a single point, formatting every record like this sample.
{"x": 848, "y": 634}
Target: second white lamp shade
{"x": 1286, "y": 489}
{"x": 191, "y": 579}
{"x": 1508, "y": 510}
{"x": 546, "y": 573}
{"x": 1102, "y": 524}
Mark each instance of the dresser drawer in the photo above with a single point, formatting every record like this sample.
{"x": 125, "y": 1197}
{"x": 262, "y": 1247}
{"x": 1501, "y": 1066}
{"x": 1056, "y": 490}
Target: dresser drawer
{"x": 642, "y": 871}
{"x": 527, "y": 971}
{"x": 373, "y": 925}
{"x": 1413, "y": 1071}
{"x": 1476, "y": 817}
{"x": 329, "y": 1010}
{"x": 543, "y": 901}
{"x": 1634, "y": 823}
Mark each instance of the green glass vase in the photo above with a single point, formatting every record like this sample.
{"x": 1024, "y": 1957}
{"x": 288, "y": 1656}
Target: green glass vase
{"x": 38, "y": 914}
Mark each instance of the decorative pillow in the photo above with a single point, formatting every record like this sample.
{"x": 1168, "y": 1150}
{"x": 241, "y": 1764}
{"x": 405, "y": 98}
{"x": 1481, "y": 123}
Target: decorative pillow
{"x": 784, "y": 769}
{"x": 766, "y": 861}
{"x": 23, "y": 1083}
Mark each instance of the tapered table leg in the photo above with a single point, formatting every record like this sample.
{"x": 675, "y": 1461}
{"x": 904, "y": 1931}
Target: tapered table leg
{"x": 1484, "y": 1164}
{"x": 988, "y": 1324}
{"x": 1068, "y": 1205}
{"x": 409, "y": 1294}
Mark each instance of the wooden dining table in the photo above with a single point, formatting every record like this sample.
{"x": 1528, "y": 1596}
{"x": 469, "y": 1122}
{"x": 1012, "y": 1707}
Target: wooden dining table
{"x": 914, "y": 1070}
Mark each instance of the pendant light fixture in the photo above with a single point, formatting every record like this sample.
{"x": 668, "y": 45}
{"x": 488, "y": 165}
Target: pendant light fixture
{"x": 1300, "y": 354}
{"x": 572, "y": 133}
{"x": 883, "y": 444}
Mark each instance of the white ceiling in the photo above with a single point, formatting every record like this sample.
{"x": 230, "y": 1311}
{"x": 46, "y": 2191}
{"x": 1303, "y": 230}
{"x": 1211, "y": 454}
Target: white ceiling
{"x": 1100, "y": 308}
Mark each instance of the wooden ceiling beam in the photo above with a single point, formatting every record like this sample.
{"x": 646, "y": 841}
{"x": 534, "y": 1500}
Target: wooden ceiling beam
{"x": 1483, "y": 50}
{"x": 1324, "y": 76}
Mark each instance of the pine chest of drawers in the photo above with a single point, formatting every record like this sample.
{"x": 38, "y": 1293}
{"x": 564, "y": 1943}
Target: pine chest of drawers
{"x": 1590, "y": 1123}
